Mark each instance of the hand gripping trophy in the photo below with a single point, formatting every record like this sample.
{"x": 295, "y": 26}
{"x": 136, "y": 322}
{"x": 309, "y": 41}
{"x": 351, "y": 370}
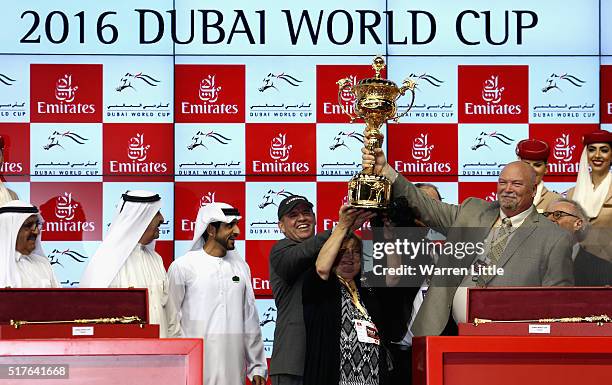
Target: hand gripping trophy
{"x": 375, "y": 103}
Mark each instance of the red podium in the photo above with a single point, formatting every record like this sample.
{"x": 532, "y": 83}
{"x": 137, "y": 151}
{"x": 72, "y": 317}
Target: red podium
{"x": 102, "y": 362}
{"x": 478, "y": 360}
{"x": 523, "y": 353}
{"x": 72, "y": 304}
{"x": 532, "y": 303}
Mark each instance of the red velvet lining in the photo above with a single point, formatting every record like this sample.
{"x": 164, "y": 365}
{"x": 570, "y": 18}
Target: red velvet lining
{"x": 512, "y": 303}
{"x": 68, "y": 304}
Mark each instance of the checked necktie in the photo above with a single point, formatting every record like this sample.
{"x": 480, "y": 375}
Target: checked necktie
{"x": 498, "y": 245}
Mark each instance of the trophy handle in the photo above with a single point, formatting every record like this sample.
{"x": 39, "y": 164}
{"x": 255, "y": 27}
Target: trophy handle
{"x": 345, "y": 85}
{"x": 408, "y": 85}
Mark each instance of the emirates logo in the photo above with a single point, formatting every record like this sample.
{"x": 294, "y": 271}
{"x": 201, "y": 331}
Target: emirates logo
{"x": 491, "y": 91}
{"x": 421, "y": 149}
{"x": 279, "y": 150}
{"x": 65, "y": 91}
{"x": 347, "y": 97}
{"x": 64, "y": 208}
{"x": 137, "y": 150}
{"x": 562, "y": 149}
{"x": 209, "y": 91}
{"x": 207, "y": 199}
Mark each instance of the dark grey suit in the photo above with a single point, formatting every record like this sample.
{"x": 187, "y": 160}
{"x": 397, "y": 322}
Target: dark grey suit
{"x": 289, "y": 260}
{"x": 590, "y": 270}
{"x": 537, "y": 254}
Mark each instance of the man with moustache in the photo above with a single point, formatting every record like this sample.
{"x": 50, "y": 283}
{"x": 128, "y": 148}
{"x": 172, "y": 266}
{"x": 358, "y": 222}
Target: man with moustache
{"x": 290, "y": 258}
{"x": 513, "y": 236}
{"x": 127, "y": 257}
{"x": 5, "y": 194}
{"x": 211, "y": 297}
{"x": 589, "y": 270}
{"x": 22, "y": 260}
{"x": 535, "y": 153}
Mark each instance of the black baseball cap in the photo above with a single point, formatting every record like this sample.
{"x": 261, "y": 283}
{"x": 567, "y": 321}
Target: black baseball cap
{"x": 289, "y": 204}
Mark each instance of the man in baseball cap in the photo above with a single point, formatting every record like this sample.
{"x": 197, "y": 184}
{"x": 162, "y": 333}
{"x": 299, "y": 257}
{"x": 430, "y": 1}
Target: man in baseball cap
{"x": 290, "y": 258}
{"x": 211, "y": 297}
{"x": 535, "y": 153}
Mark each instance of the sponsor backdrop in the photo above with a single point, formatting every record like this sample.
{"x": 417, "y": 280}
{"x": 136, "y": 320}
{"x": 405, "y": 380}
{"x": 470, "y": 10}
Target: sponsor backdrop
{"x": 237, "y": 102}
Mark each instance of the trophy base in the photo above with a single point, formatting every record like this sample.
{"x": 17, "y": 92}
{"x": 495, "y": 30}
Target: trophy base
{"x": 369, "y": 191}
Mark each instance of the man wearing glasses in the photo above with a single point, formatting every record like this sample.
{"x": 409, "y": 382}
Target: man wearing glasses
{"x": 589, "y": 270}
{"x": 22, "y": 260}
{"x": 5, "y": 194}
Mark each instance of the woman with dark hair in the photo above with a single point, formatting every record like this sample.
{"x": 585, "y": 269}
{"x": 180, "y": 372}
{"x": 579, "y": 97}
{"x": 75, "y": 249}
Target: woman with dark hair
{"x": 593, "y": 191}
{"x": 343, "y": 343}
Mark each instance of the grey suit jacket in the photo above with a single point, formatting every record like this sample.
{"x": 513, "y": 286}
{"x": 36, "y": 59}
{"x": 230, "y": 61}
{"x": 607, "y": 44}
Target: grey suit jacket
{"x": 289, "y": 260}
{"x": 537, "y": 254}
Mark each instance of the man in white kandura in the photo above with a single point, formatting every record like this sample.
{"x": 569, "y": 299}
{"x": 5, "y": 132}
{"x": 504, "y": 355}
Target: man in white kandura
{"x": 211, "y": 297}
{"x": 127, "y": 257}
{"x": 23, "y": 262}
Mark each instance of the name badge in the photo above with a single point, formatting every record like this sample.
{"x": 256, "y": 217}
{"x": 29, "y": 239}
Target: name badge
{"x": 366, "y": 332}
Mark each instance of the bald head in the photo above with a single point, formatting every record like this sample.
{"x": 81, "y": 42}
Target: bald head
{"x": 516, "y": 188}
{"x": 520, "y": 167}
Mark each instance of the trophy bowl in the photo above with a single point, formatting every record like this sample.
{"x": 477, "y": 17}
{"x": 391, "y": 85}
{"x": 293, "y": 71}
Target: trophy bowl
{"x": 375, "y": 102}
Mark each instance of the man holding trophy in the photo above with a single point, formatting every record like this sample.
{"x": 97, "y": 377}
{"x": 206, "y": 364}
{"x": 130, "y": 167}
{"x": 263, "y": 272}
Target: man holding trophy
{"x": 514, "y": 237}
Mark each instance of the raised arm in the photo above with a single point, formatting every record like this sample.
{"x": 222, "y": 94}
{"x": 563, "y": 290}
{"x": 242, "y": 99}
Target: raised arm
{"x": 348, "y": 218}
{"x": 433, "y": 213}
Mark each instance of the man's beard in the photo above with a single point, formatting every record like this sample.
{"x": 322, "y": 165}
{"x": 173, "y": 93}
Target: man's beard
{"x": 508, "y": 204}
{"x": 225, "y": 243}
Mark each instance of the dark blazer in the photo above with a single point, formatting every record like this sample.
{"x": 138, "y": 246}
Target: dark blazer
{"x": 590, "y": 270}
{"x": 289, "y": 260}
{"x": 538, "y": 254}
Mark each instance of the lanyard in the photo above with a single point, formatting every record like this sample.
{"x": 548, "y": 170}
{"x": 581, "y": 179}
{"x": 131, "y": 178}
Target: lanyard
{"x": 352, "y": 289}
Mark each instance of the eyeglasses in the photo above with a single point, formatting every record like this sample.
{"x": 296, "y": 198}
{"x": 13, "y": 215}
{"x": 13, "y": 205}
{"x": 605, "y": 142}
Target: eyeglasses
{"x": 558, "y": 214}
{"x": 32, "y": 225}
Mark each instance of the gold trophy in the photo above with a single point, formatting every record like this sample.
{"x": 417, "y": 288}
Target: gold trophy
{"x": 375, "y": 103}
